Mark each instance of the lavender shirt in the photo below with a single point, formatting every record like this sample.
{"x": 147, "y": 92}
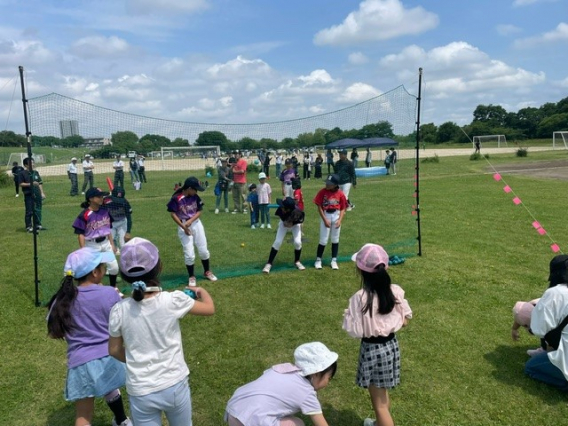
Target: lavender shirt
{"x": 93, "y": 224}
{"x": 287, "y": 175}
{"x": 90, "y": 311}
{"x": 185, "y": 207}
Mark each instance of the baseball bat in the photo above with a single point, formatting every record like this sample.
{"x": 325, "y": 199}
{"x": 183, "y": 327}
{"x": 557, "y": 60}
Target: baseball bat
{"x": 110, "y": 185}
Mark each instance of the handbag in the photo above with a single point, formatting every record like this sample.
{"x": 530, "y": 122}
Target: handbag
{"x": 552, "y": 338}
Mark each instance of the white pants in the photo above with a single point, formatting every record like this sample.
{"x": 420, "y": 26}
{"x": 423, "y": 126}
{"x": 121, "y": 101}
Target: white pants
{"x": 112, "y": 267}
{"x": 345, "y": 188}
{"x": 296, "y": 231}
{"x": 288, "y": 191}
{"x": 119, "y": 231}
{"x": 198, "y": 238}
{"x": 325, "y": 232}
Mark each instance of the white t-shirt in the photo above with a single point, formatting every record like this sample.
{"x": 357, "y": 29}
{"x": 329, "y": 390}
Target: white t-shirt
{"x": 548, "y": 313}
{"x": 152, "y": 339}
{"x": 280, "y": 392}
{"x": 72, "y": 168}
{"x": 88, "y": 166}
{"x": 263, "y": 190}
{"x": 119, "y": 164}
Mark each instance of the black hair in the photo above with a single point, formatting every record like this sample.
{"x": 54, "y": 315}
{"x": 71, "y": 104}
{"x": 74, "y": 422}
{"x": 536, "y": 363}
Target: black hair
{"x": 59, "y": 320}
{"x": 558, "y": 271}
{"x": 84, "y": 204}
{"x": 296, "y": 183}
{"x": 150, "y": 278}
{"x": 27, "y": 161}
{"x": 331, "y": 369}
{"x": 377, "y": 283}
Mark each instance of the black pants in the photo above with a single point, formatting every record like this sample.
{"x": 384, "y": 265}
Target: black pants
{"x": 33, "y": 208}
{"x": 17, "y": 186}
{"x": 119, "y": 178}
{"x": 74, "y": 184}
{"x": 89, "y": 179}
{"x": 142, "y": 174}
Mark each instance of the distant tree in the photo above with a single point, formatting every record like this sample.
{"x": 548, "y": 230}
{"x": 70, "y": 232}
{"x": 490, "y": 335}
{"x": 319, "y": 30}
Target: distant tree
{"x": 448, "y": 132}
{"x": 527, "y": 121}
{"x": 494, "y": 115}
{"x": 72, "y": 141}
{"x": 428, "y": 133}
{"x": 333, "y": 135}
{"x": 154, "y": 142}
{"x": 562, "y": 106}
{"x": 9, "y": 138}
{"x": 124, "y": 141}
{"x": 248, "y": 143}
{"x": 180, "y": 142}
{"x": 268, "y": 143}
{"x": 552, "y": 124}
{"x": 213, "y": 137}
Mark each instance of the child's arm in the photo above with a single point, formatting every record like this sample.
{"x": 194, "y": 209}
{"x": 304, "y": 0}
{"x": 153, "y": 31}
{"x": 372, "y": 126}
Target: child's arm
{"x": 515, "y": 330}
{"x": 319, "y": 420}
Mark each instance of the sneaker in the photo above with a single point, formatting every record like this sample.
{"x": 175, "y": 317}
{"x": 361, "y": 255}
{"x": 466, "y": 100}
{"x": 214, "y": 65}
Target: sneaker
{"x": 349, "y": 208}
{"x": 317, "y": 264}
{"x": 40, "y": 228}
{"x": 269, "y": 226}
{"x": 253, "y": 227}
{"x": 226, "y": 210}
{"x": 533, "y": 352}
{"x": 369, "y": 422}
{"x": 234, "y": 212}
{"x": 245, "y": 211}
{"x": 29, "y": 229}
{"x": 17, "y": 195}
{"x": 127, "y": 422}
{"x": 299, "y": 265}
{"x": 192, "y": 282}
{"x": 117, "y": 252}
{"x": 210, "y": 276}
{"x": 216, "y": 211}
{"x": 334, "y": 264}
{"x": 82, "y": 193}
{"x": 262, "y": 226}
{"x": 267, "y": 268}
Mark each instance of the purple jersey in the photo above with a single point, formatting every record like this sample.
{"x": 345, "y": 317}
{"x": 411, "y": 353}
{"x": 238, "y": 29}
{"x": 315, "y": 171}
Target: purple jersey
{"x": 93, "y": 224}
{"x": 185, "y": 207}
{"x": 287, "y": 175}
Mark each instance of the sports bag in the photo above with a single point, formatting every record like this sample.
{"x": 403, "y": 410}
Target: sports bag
{"x": 552, "y": 338}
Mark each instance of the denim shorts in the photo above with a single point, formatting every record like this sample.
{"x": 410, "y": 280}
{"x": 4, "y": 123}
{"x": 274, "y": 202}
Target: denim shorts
{"x": 94, "y": 378}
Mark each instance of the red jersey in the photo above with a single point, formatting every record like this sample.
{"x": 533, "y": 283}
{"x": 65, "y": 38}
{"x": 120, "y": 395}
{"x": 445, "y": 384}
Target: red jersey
{"x": 299, "y": 198}
{"x": 331, "y": 200}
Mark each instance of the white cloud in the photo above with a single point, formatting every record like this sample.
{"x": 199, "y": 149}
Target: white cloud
{"x": 164, "y": 7}
{"x": 97, "y": 47}
{"x": 520, "y": 3}
{"x": 378, "y": 20}
{"x": 507, "y": 29}
{"x": 559, "y": 34}
{"x": 239, "y": 67}
{"x": 358, "y": 92}
{"x": 563, "y": 83}
{"x": 357, "y": 58}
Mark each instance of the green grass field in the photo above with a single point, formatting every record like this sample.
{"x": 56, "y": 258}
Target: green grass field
{"x": 459, "y": 364}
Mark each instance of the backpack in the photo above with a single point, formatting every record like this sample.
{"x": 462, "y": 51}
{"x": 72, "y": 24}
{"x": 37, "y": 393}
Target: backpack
{"x": 552, "y": 338}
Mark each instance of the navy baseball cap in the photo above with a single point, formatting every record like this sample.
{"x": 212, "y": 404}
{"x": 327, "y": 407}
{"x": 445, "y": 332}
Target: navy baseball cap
{"x": 287, "y": 203}
{"x": 343, "y": 151}
{"x": 193, "y": 182}
{"x": 332, "y": 180}
{"x": 95, "y": 192}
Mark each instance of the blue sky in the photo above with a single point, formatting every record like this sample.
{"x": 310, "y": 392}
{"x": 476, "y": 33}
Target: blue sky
{"x": 245, "y": 61}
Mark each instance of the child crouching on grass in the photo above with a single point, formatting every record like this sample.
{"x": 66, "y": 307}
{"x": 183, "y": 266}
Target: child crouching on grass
{"x": 284, "y": 390}
{"x": 522, "y": 318}
{"x": 375, "y": 313}
{"x": 291, "y": 219}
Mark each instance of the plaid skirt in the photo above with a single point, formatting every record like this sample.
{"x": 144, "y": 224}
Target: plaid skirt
{"x": 379, "y": 365}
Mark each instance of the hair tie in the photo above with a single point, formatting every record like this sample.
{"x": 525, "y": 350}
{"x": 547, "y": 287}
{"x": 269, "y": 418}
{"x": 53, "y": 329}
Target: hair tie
{"x": 139, "y": 285}
{"x": 69, "y": 273}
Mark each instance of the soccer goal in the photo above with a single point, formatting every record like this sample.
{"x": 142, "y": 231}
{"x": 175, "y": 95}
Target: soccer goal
{"x": 490, "y": 140}
{"x": 560, "y": 137}
{"x": 188, "y": 157}
{"x": 19, "y": 158}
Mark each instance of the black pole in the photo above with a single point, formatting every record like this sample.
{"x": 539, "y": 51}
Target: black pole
{"x": 417, "y": 167}
{"x": 30, "y": 171}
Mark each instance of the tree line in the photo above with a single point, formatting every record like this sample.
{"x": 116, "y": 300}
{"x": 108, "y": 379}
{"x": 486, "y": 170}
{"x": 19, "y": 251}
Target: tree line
{"x": 527, "y": 123}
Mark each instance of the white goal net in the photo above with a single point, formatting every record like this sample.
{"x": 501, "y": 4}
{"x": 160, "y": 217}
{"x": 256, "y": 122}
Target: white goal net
{"x": 19, "y": 158}
{"x": 559, "y": 138}
{"x": 188, "y": 157}
{"x": 490, "y": 141}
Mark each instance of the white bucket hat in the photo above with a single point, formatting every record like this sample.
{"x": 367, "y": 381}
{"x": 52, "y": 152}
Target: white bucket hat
{"x": 313, "y": 357}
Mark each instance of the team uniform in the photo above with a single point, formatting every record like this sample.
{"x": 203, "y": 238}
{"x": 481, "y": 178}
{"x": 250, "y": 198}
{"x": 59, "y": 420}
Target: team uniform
{"x": 88, "y": 174}
{"x": 141, "y": 169}
{"x": 118, "y": 167}
{"x": 120, "y": 213}
{"x": 186, "y": 207}
{"x": 72, "y": 175}
{"x": 96, "y": 226}
{"x": 286, "y": 178}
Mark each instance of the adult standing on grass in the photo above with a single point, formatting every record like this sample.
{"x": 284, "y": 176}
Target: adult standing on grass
{"x": 141, "y": 160}
{"x": 16, "y": 169}
{"x": 93, "y": 228}
{"x": 145, "y": 333}
{"x": 551, "y": 367}
{"x": 368, "y": 157}
{"x": 354, "y": 157}
{"x": 72, "y": 175}
{"x": 79, "y": 313}
{"x": 284, "y": 390}
{"x": 222, "y": 186}
{"x": 88, "y": 177}
{"x": 317, "y": 166}
{"x": 133, "y": 165}
{"x": 375, "y": 313}
{"x": 345, "y": 172}
{"x": 32, "y": 187}
{"x": 185, "y": 208}
{"x": 118, "y": 167}
{"x": 329, "y": 159}
{"x": 279, "y": 160}
{"x": 393, "y": 160}
{"x": 239, "y": 183}
{"x": 331, "y": 204}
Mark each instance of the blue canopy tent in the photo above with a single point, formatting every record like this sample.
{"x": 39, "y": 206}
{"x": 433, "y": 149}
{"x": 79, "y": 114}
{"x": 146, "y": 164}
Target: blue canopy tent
{"x": 361, "y": 143}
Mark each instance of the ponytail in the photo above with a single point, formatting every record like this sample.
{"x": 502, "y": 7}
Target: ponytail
{"x": 378, "y": 283}
{"x": 59, "y": 319}
{"x": 84, "y": 204}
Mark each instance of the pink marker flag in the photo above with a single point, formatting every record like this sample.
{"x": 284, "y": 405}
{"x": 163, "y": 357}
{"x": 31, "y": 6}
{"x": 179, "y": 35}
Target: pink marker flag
{"x": 507, "y": 189}
{"x": 541, "y": 231}
{"x": 497, "y": 176}
{"x": 517, "y": 201}
{"x": 555, "y": 248}
{"x": 536, "y": 225}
